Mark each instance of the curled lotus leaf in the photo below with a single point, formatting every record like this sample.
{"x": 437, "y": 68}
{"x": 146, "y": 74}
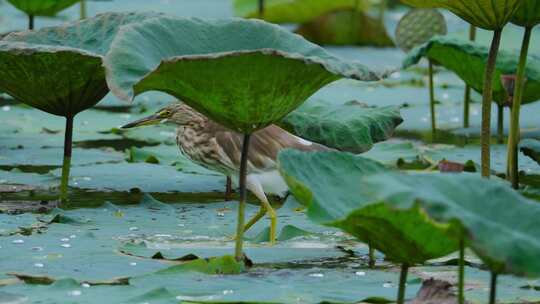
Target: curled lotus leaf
{"x": 37, "y": 67}
{"x": 329, "y": 184}
{"x": 418, "y": 26}
{"x": 528, "y": 14}
{"x": 486, "y": 14}
{"x": 497, "y": 223}
{"x": 468, "y": 60}
{"x": 244, "y": 74}
{"x": 295, "y": 11}
{"x": 42, "y": 7}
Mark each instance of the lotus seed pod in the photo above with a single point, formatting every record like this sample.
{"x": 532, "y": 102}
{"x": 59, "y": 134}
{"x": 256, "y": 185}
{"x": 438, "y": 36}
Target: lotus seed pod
{"x": 418, "y": 26}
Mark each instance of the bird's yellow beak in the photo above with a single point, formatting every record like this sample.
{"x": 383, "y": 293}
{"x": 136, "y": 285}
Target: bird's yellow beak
{"x": 153, "y": 119}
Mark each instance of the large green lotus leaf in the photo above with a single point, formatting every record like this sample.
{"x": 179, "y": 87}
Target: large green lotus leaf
{"x": 499, "y": 224}
{"x": 92, "y": 34}
{"x": 346, "y": 27}
{"x": 351, "y": 127}
{"x": 64, "y": 91}
{"x": 528, "y": 13}
{"x": 468, "y": 60}
{"x": 329, "y": 183}
{"x": 295, "y": 11}
{"x": 37, "y": 67}
{"x": 244, "y": 74}
{"x": 42, "y": 7}
{"x": 531, "y": 148}
{"x": 487, "y": 14}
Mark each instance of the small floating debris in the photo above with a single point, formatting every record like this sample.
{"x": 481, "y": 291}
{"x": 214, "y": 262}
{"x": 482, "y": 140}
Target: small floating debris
{"x": 66, "y": 245}
{"x": 19, "y": 241}
{"x": 133, "y": 264}
{"x": 387, "y": 285}
{"x": 360, "y": 273}
{"x": 39, "y": 265}
{"x": 75, "y": 293}
{"x": 64, "y": 239}
{"x": 316, "y": 275}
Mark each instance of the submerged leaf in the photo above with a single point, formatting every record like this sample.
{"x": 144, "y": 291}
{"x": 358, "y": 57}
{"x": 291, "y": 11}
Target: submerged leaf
{"x": 46, "y": 280}
{"x": 350, "y": 127}
{"x": 329, "y": 184}
{"x": 531, "y": 148}
{"x": 288, "y": 232}
{"x": 295, "y": 11}
{"x": 42, "y": 7}
{"x": 244, "y": 74}
{"x": 487, "y": 14}
{"x": 468, "y": 60}
{"x": 218, "y": 265}
{"x": 37, "y": 67}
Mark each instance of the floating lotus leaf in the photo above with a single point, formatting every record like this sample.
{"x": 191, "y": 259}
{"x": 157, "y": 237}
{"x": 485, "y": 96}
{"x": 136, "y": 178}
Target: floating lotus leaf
{"x": 294, "y": 11}
{"x": 346, "y": 27}
{"x": 468, "y": 60}
{"x": 244, "y": 74}
{"x": 528, "y": 13}
{"x": 499, "y": 224}
{"x": 418, "y": 26}
{"x": 531, "y": 148}
{"x": 329, "y": 184}
{"x": 351, "y": 127}
{"x": 59, "y": 69}
{"x": 487, "y": 14}
{"x": 42, "y": 7}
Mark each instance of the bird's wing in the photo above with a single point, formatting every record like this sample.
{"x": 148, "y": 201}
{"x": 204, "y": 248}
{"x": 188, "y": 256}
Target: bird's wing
{"x": 264, "y": 146}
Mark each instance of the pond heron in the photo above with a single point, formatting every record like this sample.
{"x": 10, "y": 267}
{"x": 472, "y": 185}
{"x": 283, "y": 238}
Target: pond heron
{"x": 219, "y": 149}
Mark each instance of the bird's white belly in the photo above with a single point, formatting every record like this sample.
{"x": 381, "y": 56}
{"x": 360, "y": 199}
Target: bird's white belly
{"x": 271, "y": 181}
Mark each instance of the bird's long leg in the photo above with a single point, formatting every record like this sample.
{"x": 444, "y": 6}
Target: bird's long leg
{"x": 228, "y": 188}
{"x": 256, "y": 188}
{"x": 255, "y": 218}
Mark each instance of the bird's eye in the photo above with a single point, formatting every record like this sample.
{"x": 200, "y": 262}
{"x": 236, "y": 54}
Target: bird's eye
{"x": 165, "y": 113}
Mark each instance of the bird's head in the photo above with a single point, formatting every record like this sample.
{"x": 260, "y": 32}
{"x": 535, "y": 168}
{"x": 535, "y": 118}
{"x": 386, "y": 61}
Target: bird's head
{"x": 176, "y": 113}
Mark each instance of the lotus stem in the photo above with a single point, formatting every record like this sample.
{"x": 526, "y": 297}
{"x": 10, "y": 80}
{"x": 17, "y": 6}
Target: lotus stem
{"x": 228, "y": 188}
{"x": 261, "y": 8}
{"x": 68, "y": 142}
{"x": 493, "y": 288}
{"x": 402, "y": 283}
{"x": 514, "y": 136}
{"x": 30, "y": 22}
{"x": 500, "y": 123}
{"x": 372, "y": 260}
{"x": 432, "y": 100}
{"x": 238, "y": 252}
{"x": 461, "y": 275}
{"x": 83, "y": 9}
{"x": 486, "y": 102}
{"x": 382, "y": 10}
{"x": 467, "y": 98}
